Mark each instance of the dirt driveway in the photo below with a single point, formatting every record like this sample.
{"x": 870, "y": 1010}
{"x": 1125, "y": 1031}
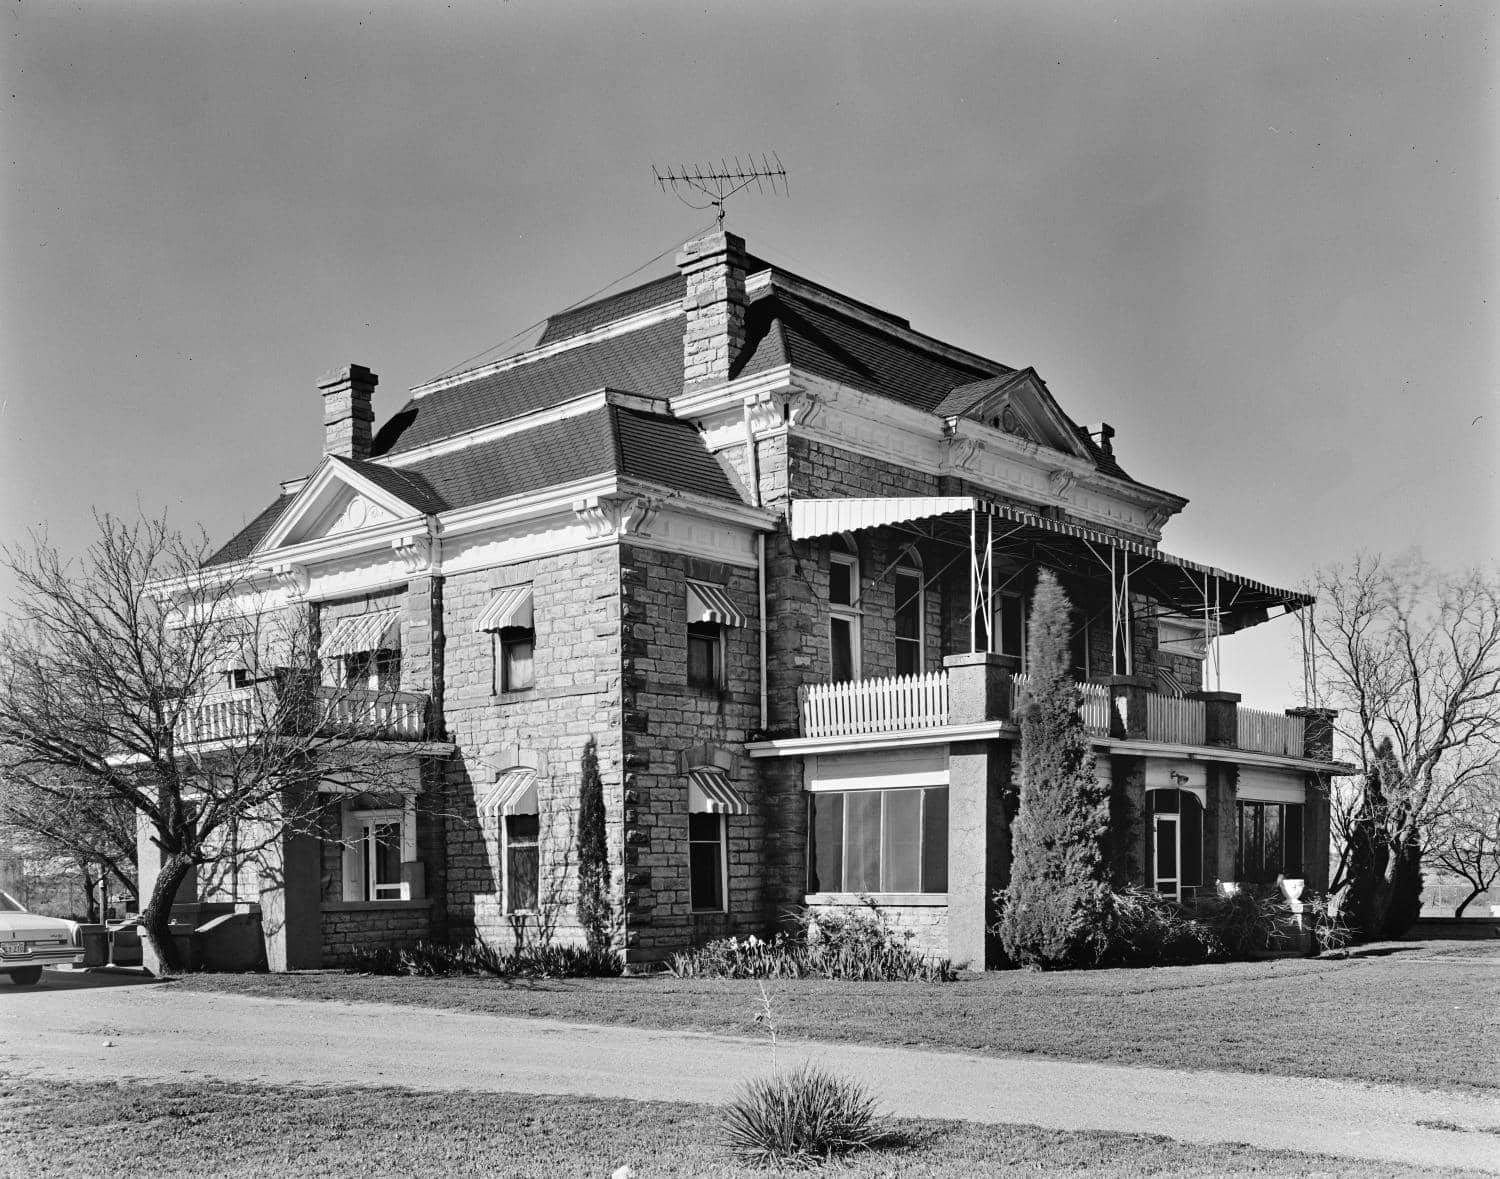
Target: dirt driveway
{"x": 84, "y": 1027}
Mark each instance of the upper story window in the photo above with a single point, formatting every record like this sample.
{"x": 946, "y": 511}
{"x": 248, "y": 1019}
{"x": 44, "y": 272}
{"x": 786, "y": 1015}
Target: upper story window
{"x": 710, "y": 612}
{"x": 910, "y": 614}
{"x": 843, "y": 609}
{"x": 509, "y": 620}
{"x": 363, "y": 651}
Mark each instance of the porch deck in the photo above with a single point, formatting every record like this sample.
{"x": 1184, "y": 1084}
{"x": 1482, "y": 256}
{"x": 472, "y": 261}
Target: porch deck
{"x": 906, "y": 703}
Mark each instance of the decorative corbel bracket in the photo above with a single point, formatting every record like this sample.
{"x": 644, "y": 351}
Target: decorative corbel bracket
{"x": 963, "y": 451}
{"x": 1061, "y": 481}
{"x": 803, "y": 408}
{"x": 415, "y": 553}
{"x": 767, "y": 411}
{"x": 1156, "y": 518}
{"x": 294, "y": 579}
{"x": 616, "y": 515}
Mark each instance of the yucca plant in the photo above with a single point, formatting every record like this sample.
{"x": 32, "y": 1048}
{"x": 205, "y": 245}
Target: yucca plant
{"x": 802, "y": 1116}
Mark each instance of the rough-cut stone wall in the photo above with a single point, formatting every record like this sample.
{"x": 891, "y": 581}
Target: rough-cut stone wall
{"x": 576, "y": 612}
{"x": 668, "y": 726}
{"x": 924, "y": 928}
{"x": 374, "y": 925}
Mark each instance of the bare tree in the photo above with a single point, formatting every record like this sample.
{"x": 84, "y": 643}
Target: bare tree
{"x": 1465, "y": 842}
{"x": 1411, "y": 659}
{"x": 64, "y": 818}
{"x": 109, "y": 676}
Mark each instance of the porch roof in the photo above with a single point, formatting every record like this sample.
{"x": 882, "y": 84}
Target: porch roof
{"x": 1183, "y": 586}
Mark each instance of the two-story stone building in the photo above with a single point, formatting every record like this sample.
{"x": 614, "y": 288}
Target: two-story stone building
{"x": 770, "y": 550}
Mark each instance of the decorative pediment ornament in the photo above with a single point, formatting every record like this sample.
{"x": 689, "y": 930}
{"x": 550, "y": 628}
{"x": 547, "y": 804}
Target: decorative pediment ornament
{"x": 358, "y": 513}
{"x": 415, "y": 552}
{"x": 615, "y": 515}
{"x": 1062, "y": 482}
{"x": 293, "y": 579}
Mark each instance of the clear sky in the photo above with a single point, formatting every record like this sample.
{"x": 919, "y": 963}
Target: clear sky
{"x": 1259, "y": 239}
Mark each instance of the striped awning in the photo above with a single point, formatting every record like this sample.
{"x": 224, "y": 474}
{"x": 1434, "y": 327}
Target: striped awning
{"x": 510, "y": 607}
{"x": 709, "y": 603}
{"x": 1169, "y": 681}
{"x": 379, "y": 630}
{"x": 709, "y": 792}
{"x": 514, "y": 794}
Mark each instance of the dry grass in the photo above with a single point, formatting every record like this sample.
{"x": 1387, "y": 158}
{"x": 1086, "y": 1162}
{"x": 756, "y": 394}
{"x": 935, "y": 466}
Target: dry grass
{"x": 1422, "y": 1014}
{"x": 213, "y": 1129}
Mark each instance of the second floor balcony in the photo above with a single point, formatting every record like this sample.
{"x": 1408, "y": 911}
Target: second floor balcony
{"x": 297, "y": 707}
{"x": 905, "y": 704}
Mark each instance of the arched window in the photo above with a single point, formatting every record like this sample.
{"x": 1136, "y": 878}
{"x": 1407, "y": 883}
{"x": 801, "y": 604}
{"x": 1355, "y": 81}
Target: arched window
{"x": 1174, "y": 842}
{"x": 911, "y": 600}
{"x": 843, "y": 609}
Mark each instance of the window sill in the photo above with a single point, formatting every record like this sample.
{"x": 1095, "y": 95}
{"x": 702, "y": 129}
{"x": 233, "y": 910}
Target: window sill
{"x": 709, "y": 912}
{"x": 514, "y": 695}
{"x": 856, "y": 900}
{"x": 365, "y": 906}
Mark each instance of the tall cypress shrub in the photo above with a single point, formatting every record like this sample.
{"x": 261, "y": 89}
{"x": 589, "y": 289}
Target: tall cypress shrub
{"x": 595, "y": 913}
{"x": 1058, "y": 909}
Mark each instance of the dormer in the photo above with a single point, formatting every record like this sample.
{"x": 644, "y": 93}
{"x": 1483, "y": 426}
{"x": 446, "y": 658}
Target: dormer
{"x": 1018, "y": 404}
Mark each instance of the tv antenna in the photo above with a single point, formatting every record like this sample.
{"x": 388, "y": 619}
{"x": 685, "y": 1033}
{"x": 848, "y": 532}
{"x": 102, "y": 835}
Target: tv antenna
{"x": 721, "y": 183}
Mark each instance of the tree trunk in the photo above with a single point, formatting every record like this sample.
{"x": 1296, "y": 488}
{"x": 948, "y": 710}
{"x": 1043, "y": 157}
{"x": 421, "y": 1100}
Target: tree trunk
{"x": 1464, "y": 904}
{"x": 1403, "y": 900}
{"x": 157, "y": 915}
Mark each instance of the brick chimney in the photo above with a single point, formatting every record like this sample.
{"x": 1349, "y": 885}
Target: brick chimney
{"x": 348, "y": 411}
{"x": 714, "y": 266}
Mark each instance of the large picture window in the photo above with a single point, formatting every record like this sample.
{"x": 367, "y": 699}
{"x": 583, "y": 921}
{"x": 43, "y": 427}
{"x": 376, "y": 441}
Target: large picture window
{"x": 1270, "y": 841}
{"x": 878, "y": 841}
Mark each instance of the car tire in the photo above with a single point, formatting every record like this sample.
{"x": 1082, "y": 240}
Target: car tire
{"x": 26, "y": 976}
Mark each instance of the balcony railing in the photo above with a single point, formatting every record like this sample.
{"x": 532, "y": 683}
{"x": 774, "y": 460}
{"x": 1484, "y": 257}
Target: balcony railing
{"x": 892, "y": 705}
{"x": 1271, "y": 732}
{"x": 241, "y": 713}
{"x": 906, "y": 703}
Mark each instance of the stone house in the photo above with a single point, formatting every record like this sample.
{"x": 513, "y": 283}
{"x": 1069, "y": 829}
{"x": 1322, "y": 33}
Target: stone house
{"x": 770, "y": 550}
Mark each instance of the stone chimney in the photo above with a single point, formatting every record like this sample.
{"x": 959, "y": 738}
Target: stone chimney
{"x": 348, "y": 411}
{"x": 714, "y": 302}
{"x": 1104, "y": 435}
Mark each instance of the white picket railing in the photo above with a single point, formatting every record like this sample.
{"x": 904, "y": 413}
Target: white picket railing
{"x": 1095, "y": 706}
{"x": 242, "y": 712}
{"x": 1270, "y": 732}
{"x": 888, "y": 705}
{"x": 1175, "y": 719}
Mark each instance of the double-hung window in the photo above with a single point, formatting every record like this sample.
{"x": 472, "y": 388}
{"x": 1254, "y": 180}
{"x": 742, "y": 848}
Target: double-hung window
{"x": 512, "y": 807}
{"x": 711, "y": 800}
{"x": 878, "y": 841}
{"x": 710, "y": 614}
{"x": 843, "y": 610}
{"x": 380, "y": 836}
{"x": 363, "y": 652}
{"x": 510, "y": 623}
{"x": 910, "y": 611}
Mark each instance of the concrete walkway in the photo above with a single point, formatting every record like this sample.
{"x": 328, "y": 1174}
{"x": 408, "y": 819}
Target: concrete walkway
{"x": 83, "y": 1029}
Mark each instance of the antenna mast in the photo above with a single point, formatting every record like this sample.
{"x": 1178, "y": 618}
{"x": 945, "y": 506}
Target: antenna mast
{"x": 721, "y": 183}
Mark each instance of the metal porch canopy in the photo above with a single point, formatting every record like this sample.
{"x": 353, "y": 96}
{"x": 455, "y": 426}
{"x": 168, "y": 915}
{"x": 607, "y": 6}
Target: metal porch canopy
{"x": 1183, "y": 586}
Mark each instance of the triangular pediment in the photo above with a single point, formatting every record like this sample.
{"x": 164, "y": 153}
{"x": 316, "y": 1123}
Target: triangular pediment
{"x": 1021, "y": 405}
{"x": 337, "y": 500}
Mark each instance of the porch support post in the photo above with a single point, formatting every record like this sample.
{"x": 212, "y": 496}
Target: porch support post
{"x": 291, "y": 885}
{"x": 978, "y": 848}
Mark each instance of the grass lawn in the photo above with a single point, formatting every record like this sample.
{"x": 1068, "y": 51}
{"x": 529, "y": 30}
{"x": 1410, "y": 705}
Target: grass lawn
{"x": 1420, "y": 1014}
{"x": 211, "y": 1129}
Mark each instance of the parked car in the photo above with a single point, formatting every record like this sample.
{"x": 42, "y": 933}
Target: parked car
{"x": 29, "y": 941}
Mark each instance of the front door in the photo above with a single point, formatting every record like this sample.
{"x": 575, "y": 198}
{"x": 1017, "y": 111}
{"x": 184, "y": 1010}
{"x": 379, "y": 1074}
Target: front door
{"x": 1167, "y": 857}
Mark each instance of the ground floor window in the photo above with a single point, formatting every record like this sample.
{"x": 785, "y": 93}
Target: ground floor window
{"x": 1270, "y": 841}
{"x": 379, "y": 838}
{"x": 522, "y": 862}
{"x": 878, "y": 840}
{"x": 706, "y": 861}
